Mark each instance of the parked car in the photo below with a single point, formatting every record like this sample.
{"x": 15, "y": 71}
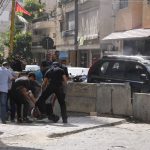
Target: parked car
{"x": 78, "y": 74}
{"x": 120, "y": 69}
{"x": 32, "y": 67}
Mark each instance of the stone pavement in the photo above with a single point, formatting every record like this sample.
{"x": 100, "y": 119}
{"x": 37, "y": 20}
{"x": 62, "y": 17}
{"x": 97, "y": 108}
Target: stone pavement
{"x": 46, "y": 128}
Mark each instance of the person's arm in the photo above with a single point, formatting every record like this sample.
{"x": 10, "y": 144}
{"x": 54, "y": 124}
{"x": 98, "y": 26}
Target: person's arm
{"x": 64, "y": 80}
{"x": 45, "y": 83}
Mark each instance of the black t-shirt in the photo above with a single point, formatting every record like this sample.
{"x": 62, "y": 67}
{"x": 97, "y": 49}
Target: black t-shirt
{"x": 65, "y": 70}
{"x": 55, "y": 75}
{"x": 28, "y": 84}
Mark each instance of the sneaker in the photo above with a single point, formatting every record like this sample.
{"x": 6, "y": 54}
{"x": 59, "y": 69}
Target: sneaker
{"x": 54, "y": 118}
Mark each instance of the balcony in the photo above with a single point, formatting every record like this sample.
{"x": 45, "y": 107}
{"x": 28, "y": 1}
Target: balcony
{"x": 43, "y": 25}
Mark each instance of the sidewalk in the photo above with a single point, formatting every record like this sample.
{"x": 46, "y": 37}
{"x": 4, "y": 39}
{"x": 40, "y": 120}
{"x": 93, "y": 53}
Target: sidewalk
{"x": 46, "y": 128}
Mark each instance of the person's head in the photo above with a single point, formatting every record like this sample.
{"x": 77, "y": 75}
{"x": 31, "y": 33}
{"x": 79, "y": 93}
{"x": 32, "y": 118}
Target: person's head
{"x": 5, "y": 64}
{"x": 63, "y": 62}
{"x": 49, "y": 57}
{"x": 55, "y": 56}
{"x": 44, "y": 64}
{"x": 55, "y": 64}
{"x": 31, "y": 76}
{"x": 22, "y": 74}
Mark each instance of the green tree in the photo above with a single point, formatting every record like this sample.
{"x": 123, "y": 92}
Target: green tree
{"x": 36, "y": 9}
{"x": 22, "y": 45}
{"x": 1, "y": 44}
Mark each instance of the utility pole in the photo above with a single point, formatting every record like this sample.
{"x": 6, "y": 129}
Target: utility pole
{"x": 76, "y": 33}
{"x": 12, "y": 27}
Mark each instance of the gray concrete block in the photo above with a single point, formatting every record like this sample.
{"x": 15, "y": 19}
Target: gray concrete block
{"x": 81, "y": 104}
{"x": 114, "y": 98}
{"x": 103, "y": 103}
{"x": 121, "y": 99}
{"x": 141, "y": 106}
{"x": 81, "y": 89}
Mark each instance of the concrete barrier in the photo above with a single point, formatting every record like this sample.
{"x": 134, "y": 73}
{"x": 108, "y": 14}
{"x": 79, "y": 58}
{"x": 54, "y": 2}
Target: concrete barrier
{"x": 114, "y": 98}
{"x": 104, "y": 99}
{"x": 141, "y": 106}
{"x": 81, "y": 97}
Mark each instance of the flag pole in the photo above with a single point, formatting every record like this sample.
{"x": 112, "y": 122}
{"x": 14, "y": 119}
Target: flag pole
{"x": 12, "y": 27}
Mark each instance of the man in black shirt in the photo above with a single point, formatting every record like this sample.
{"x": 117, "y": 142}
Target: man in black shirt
{"x": 21, "y": 89}
{"x": 54, "y": 81}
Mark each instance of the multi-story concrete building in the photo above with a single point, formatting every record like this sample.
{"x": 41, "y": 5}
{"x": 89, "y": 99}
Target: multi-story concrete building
{"x": 43, "y": 27}
{"x": 132, "y": 27}
{"x": 81, "y": 28}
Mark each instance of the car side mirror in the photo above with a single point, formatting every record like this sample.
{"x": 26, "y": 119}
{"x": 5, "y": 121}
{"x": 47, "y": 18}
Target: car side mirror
{"x": 144, "y": 77}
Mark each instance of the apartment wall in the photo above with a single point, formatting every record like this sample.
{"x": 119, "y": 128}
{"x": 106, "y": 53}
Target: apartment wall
{"x": 129, "y": 17}
{"x": 49, "y": 4}
{"x": 64, "y": 43}
{"x": 146, "y": 15}
{"x": 106, "y": 20}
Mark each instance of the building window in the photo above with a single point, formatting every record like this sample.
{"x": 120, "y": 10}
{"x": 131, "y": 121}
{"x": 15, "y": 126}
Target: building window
{"x": 123, "y": 3}
{"x": 70, "y": 20}
{"x": 61, "y": 23}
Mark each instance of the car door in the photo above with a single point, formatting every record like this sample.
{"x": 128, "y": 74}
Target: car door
{"x": 133, "y": 75}
{"x": 99, "y": 72}
{"x": 116, "y": 72}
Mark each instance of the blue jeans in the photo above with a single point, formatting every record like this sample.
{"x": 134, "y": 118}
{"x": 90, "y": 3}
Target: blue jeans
{"x": 3, "y": 105}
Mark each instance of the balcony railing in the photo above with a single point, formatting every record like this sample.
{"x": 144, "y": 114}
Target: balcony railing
{"x": 45, "y": 17}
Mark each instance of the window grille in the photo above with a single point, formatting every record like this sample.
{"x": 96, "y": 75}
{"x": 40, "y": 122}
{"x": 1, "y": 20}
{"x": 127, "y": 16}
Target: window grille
{"x": 123, "y": 3}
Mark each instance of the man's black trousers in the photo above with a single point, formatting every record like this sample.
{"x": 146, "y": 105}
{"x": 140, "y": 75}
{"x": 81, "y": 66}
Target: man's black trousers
{"x": 61, "y": 99}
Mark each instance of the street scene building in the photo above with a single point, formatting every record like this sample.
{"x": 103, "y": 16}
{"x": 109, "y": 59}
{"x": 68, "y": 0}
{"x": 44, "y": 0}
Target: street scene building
{"x": 74, "y": 74}
{"x": 82, "y": 31}
{"x": 131, "y": 27}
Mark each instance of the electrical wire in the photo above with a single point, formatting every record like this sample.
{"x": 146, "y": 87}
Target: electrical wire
{"x": 4, "y": 6}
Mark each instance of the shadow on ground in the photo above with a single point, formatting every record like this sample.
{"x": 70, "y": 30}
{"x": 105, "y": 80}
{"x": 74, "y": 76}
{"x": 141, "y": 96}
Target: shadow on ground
{"x": 6, "y": 147}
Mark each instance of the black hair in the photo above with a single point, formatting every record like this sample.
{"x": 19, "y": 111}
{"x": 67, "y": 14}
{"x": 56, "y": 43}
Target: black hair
{"x": 44, "y": 63}
{"x": 32, "y": 74}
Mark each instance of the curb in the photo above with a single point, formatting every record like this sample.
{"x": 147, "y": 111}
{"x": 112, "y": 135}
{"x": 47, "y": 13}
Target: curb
{"x": 55, "y": 135}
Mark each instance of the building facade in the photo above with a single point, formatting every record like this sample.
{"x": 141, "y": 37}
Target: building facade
{"x": 44, "y": 31}
{"x": 81, "y": 28}
{"x": 132, "y": 27}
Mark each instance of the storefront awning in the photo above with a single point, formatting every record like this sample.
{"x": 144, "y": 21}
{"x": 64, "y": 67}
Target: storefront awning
{"x": 130, "y": 34}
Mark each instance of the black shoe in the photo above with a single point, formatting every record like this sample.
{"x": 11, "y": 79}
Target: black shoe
{"x": 12, "y": 120}
{"x": 65, "y": 121}
{"x": 3, "y": 122}
{"x": 54, "y": 118}
{"x": 19, "y": 120}
{"x": 26, "y": 120}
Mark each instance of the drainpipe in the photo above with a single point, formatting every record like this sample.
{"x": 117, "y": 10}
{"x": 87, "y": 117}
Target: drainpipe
{"x": 76, "y": 33}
